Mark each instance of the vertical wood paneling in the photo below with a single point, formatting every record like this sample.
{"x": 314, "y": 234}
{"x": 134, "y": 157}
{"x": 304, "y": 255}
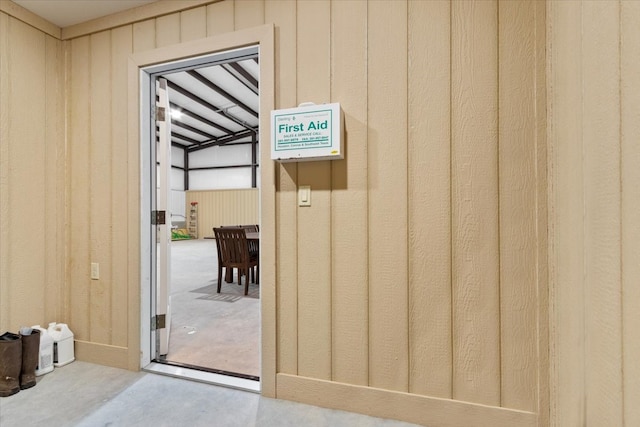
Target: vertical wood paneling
{"x": 167, "y": 30}
{"x": 248, "y": 13}
{"x": 349, "y": 226}
{"x": 517, "y": 172}
{"x": 100, "y": 159}
{"x": 283, "y": 13}
{"x": 476, "y": 323}
{"x": 566, "y": 222}
{"x": 55, "y": 198}
{"x": 542, "y": 212}
{"x": 630, "y": 220}
{"x": 25, "y": 216}
{"x": 79, "y": 187}
{"x": 601, "y": 124}
{"x": 314, "y": 222}
{"x": 387, "y": 165}
{"x": 31, "y": 175}
{"x": 430, "y": 358}
{"x": 5, "y": 233}
{"x": 144, "y": 35}
{"x": 373, "y": 272}
{"x": 193, "y": 24}
{"x": 122, "y": 45}
{"x": 220, "y": 17}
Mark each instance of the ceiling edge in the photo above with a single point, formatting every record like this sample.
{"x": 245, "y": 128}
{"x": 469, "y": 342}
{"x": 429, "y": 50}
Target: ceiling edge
{"x": 18, "y": 12}
{"x": 130, "y": 16}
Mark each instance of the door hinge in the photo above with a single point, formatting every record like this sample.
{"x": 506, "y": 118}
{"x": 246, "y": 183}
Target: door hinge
{"x": 158, "y": 322}
{"x": 158, "y": 217}
{"x": 160, "y": 114}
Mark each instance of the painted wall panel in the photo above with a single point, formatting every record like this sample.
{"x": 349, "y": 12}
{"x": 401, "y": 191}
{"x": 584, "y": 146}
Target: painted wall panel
{"x": 121, "y": 47}
{"x": 416, "y": 264}
{"x": 24, "y": 174}
{"x": 144, "y": 35}
{"x": 167, "y": 30}
{"x": 221, "y": 156}
{"x": 593, "y": 221}
{"x": 475, "y": 228}
{"x": 349, "y": 225}
{"x": 55, "y": 199}
{"x": 387, "y": 188}
{"x": 220, "y": 17}
{"x": 593, "y": 90}
{"x": 567, "y": 232}
{"x": 100, "y": 181}
{"x": 216, "y": 179}
{"x": 284, "y": 13}
{"x": 630, "y": 206}
{"x": 429, "y": 170}
{"x": 193, "y": 24}
{"x": 79, "y": 187}
{"x": 601, "y": 156}
{"x": 314, "y": 222}
{"x": 517, "y": 203}
{"x": 248, "y": 13}
{"x": 5, "y": 88}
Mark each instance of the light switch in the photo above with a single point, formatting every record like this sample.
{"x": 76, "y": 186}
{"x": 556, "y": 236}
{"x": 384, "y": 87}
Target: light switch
{"x": 95, "y": 271}
{"x": 304, "y": 195}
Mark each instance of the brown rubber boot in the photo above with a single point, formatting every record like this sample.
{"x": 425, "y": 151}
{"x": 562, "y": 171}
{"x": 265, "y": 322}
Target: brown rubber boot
{"x": 30, "y": 352}
{"x": 10, "y": 363}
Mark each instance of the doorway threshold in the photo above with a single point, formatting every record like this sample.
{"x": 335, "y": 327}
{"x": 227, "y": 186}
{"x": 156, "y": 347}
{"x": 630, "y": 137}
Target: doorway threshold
{"x": 203, "y": 377}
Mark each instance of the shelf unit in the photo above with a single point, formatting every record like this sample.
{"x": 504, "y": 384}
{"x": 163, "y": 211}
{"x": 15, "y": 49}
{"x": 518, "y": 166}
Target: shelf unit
{"x": 192, "y": 224}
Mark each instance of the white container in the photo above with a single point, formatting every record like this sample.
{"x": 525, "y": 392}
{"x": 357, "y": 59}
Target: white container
{"x": 62, "y": 343}
{"x": 45, "y": 356}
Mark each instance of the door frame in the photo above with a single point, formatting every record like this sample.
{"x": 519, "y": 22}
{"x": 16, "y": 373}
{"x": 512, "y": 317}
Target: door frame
{"x": 138, "y": 134}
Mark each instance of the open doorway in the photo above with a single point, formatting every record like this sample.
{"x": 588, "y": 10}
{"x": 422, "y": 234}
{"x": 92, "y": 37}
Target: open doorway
{"x": 203, "y": 173}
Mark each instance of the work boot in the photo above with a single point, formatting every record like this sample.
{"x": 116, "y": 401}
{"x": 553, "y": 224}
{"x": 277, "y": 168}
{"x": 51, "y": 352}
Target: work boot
{"x": 30, "y": 352}
{"x": 10, "y": 363}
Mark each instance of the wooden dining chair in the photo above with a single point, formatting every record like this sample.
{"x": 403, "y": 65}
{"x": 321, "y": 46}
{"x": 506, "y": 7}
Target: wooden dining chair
{"x": 254, "y": 249}
{"x": 233, "y": 252}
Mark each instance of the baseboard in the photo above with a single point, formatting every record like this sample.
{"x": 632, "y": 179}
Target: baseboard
{"x": 102, "y": 354}
{"x": 412, "y": 408}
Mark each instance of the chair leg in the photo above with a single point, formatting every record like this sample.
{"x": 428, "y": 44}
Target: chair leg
{"x": 246, "y": 282}
{"x": 219, "y": 278}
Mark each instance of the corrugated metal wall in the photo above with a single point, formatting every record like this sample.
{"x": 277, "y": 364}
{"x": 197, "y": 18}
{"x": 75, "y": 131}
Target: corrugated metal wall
{"x": 224, "y": 207}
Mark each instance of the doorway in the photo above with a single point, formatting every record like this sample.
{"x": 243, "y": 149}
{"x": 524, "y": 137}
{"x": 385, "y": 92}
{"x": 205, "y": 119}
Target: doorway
{"x": 203, "y": 138}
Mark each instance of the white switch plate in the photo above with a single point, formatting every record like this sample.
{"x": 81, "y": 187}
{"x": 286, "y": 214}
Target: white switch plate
{"x": 304, "y": 195}
{"x": 95, "y": 271}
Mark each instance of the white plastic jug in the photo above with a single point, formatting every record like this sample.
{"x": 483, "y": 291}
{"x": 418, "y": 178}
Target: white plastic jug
{"x": 45, "y": 357}
{"x": 62, "y": 343}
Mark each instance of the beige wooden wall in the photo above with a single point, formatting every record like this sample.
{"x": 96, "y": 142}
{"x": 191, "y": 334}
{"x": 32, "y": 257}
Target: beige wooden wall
{"x": 32, "y": 178}
{"x": 594, "y": 130}
{"x": 421, "y": 266}
{"x": 224, "y": 207}
{"x": 415, "y": 285}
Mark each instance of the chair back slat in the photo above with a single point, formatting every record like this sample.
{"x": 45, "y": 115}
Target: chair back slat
{"x": 233, "y": 249}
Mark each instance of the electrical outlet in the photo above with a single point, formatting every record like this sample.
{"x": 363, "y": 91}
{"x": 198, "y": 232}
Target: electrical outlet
{"x": 95, "y": 271}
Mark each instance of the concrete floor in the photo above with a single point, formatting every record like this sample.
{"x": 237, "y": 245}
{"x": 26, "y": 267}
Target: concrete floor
{"x": 88, "y": 395}
{"x": 211, "y": 330}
